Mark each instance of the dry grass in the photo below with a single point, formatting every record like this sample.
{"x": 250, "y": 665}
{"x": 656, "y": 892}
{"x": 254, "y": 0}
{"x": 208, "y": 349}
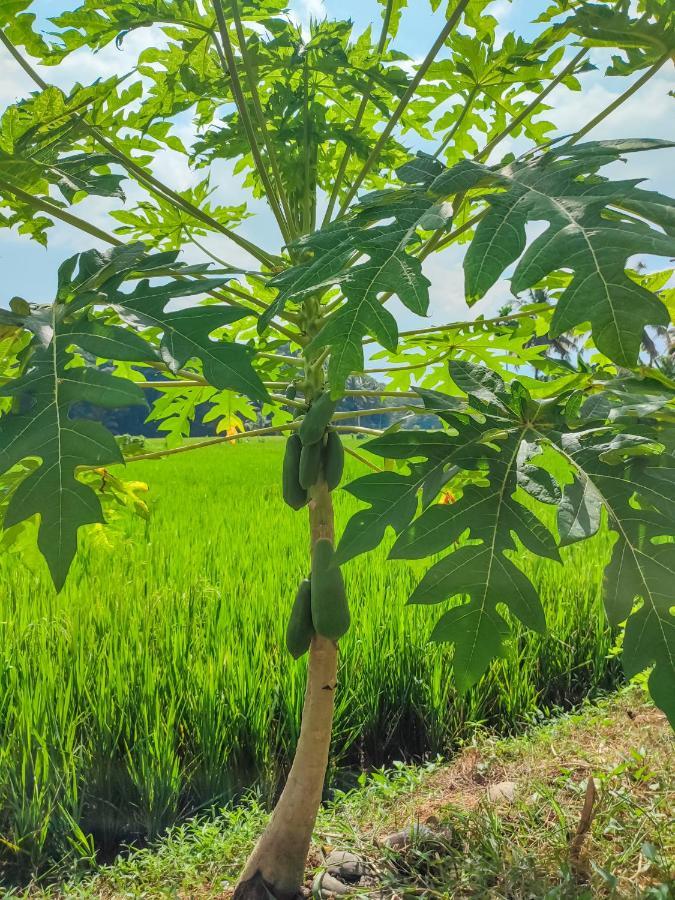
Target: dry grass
{"x": 577, "y": 747}
{"x": 558, "y": 836}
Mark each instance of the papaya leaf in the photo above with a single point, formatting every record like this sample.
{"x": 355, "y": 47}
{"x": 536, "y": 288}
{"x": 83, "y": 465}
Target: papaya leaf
{"x": 643, "y": 40}
{"x": 185, "y": 333}
{"x": 47, "y": 427}
{"x": 492, "y": 512}
{"x": 617, "y": 462}
{"x": 638, "y": 497}
{"x": 579, "y": 512}
{"x": 41, "y": 149}
{"x": 389, "y": 267}
{"x": 631, "y": 397}
{"x": 594, "y": 226}
{"x": 393, "y": 496}
{"x": 587, "y": 231}
{"x": 56, "y": 374}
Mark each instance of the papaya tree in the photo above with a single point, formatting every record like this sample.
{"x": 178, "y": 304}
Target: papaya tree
{"x": 367, "y": 163}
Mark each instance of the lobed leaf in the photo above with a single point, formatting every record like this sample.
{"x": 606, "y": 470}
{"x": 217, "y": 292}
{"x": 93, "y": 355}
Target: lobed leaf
{"x": 614, "y": 460}
{"x": 57, "y": 373}
{"x": 48, "y": 390}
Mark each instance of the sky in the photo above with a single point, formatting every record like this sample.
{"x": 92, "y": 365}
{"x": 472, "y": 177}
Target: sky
{"x": 29, "y": 270}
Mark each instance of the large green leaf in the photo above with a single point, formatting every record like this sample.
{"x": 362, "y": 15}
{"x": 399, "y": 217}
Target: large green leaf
{"x": 591, "y": 230}
{"x": 490, "y": 511}
{"x": 594, "y": 227}
{"x": 185, "y": 333}
{"x": 331, "y": 257}
{"x": 644, "y": 39}
{"x": 392, "y": 495}
{"x": 387, "y": 268}
{"x": 46, "y": 428}
{"x": 614, "y": 452}
{"x": 492, "y": 514}
{"x": 632, "y": 479}
{"x": 58, "y": 373}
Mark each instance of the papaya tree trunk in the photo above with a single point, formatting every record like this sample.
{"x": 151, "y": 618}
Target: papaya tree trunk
{"x": 277, "y": 864}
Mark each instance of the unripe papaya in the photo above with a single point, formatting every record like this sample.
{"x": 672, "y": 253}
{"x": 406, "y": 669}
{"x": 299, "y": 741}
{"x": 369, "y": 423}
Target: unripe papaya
{"x": 294, "y": 494}
{"x": 317, "y": 418}
{"x": 300, "y": 629}
{"x": 333, "y": 460}
{"x": 330, "y": 611}
{"x": 310, "y": 465}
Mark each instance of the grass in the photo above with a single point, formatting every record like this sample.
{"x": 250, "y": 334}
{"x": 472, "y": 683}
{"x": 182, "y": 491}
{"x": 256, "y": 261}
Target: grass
{"x": 156, "y": 685}
{"x": 497, "y": 850}
{"x": 526, "y": 847}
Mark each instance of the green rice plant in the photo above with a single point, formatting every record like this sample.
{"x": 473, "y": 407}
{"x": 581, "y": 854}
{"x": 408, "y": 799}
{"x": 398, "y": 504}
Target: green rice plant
{"x": 143, "y": 693}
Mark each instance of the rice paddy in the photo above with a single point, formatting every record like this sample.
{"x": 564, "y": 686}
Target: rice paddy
{"x": 157, "y": 685}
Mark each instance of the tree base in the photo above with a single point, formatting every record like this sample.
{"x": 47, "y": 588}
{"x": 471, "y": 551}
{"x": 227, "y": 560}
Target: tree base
{"x": 256, "y": 888}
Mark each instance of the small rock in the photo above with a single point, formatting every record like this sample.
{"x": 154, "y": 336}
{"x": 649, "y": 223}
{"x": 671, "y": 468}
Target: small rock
{"x": 413, "y": 834}
{"x": 347, "y": 866}
{"x": 502, "y": 791}
{"x": 325, "y": 885}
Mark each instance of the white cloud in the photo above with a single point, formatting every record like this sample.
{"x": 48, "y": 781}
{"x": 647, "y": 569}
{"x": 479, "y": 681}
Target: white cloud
{"x": 502, "y": 11}
{"x": 447, "y": 296}
{"x": 647, "y": 112}
{"x": 303, "y": 11}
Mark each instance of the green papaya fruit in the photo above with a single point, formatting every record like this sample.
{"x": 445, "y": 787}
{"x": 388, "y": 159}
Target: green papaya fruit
{"x": 310, "y": 465}
{"x": 294, "y": 494}
{"x": 333, "y": 460}
{"x": 317, "y": 418}
{"x": 330, "y": 611}
{"x": 300, "y": 629}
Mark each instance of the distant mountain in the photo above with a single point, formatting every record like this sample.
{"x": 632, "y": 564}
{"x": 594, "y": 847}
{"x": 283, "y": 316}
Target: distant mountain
{"x": 131, "y": 420}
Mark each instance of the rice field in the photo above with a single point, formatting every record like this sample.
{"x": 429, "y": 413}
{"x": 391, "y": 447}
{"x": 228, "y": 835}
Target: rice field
{"x": 156, "y": 685}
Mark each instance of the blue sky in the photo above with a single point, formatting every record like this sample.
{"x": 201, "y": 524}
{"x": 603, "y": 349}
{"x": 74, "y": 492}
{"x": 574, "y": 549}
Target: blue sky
{"x": 30, "y": 271}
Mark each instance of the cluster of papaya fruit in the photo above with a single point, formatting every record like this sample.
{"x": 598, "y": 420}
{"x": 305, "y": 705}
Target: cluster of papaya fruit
{"x": 320, "y": 605}
{"x": 312, "y": 449}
